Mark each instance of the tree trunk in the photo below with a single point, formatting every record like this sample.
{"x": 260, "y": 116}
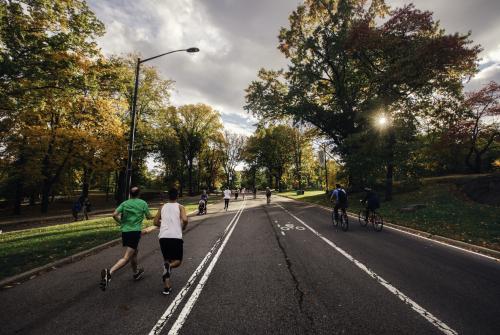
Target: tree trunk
{"x": 478, "y": 163}
{"x": 120, "y": 186}
{"x": 190, "y": 177}
{"x": 33, "y": 197}
{"x": 18, "y": 199}
{"x": 108, "y": 176}
{"x": 45, "y": 196}
{"x": 85, "y": 184}
{"x": 390, "y": 166}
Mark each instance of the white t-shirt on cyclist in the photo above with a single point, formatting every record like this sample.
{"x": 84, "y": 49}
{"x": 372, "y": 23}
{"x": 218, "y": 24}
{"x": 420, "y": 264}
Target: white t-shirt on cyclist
{"x": 227, "y": 194}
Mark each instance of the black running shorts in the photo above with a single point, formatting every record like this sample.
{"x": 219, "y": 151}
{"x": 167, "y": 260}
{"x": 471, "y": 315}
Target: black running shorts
{"x": 131, "y": 239}
{"x": 171, "y": 248}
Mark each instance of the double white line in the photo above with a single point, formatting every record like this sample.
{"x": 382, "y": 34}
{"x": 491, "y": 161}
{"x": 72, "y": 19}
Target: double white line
{"x": 196, "y": 293}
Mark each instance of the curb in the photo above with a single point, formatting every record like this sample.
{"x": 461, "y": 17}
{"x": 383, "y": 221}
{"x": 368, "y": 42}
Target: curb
{"x": 494, "y": 254}
{"x": 30, "y": 274}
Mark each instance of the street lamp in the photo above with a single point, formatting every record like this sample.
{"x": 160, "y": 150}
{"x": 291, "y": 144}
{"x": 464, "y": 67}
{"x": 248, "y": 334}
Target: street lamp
{"x": 128, "y": 171}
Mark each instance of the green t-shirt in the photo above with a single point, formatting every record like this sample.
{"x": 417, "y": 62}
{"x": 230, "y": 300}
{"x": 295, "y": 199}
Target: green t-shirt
{"x": 133, "y": 212}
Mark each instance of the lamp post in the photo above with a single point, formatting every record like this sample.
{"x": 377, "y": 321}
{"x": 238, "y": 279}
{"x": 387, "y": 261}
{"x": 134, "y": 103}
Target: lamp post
{"x": 128, "y": 171}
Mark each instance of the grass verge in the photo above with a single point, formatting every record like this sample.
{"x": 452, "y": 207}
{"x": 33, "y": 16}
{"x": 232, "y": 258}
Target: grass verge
{"x": 27, "y": 249}
{"x": 447, "y": 213}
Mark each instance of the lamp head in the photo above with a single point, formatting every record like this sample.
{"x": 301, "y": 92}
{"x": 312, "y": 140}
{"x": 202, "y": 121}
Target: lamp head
{"x": 191, "y": 50}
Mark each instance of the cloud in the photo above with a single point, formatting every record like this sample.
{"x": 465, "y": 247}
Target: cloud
{"x": 237, "y": 38}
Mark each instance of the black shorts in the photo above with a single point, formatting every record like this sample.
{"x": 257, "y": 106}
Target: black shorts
{"x": 131, "y": 239}
{"x": 171, "y": 248}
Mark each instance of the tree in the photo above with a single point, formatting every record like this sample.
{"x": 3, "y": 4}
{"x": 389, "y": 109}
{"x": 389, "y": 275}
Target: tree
{"x": 232, "y": 150}
{"x": 347, "y": 64}
{"x": 211, "y": 159}
{"x": 480, "y": 129}
{"x": 194, "y": 125}
{"x": 48, "y": 61}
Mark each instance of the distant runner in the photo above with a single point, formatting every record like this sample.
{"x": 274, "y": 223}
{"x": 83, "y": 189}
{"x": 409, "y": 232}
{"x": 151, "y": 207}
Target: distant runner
{"x": 129, "y": 215}
{"x": 243, "y": 191}
{"x": 227, "y": 197}
{"x": 172, "y": 220}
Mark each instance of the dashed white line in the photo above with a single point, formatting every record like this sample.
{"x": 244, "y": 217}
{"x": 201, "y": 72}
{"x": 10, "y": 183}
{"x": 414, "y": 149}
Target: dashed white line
{"x": 443, "y": 327}
{"x": 182, "y": 294}
{"x": 201, "y": 284}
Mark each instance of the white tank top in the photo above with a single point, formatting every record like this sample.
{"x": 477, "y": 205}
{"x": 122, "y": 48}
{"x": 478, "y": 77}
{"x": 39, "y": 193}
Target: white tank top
{"x": 171, "y": 226}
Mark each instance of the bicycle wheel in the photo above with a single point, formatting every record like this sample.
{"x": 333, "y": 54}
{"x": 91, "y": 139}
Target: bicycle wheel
{"x": 361, "y": 218}
{"x": 378, "y": 222}
{"x": 344, "y": 222}
{"x": 335, "y": 222}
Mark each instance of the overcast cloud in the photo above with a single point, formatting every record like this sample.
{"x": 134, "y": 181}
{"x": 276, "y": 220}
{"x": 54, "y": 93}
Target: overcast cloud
{"x": 238, "y": 37}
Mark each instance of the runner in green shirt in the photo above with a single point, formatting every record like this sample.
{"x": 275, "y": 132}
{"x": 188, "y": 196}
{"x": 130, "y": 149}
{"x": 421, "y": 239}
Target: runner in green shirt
{"x": 129, "y": 215}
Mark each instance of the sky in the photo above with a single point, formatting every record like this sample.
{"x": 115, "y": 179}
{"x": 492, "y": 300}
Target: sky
{"x": 238, "y": 37}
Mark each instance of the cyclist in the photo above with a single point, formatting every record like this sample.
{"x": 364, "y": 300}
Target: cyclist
{"x": 340, "y": 196}
{"x": 268, "y": 194}
{"x": 371, "y": 202}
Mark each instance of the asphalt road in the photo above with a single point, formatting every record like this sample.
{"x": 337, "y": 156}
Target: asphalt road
{"x": 269, "y": 269}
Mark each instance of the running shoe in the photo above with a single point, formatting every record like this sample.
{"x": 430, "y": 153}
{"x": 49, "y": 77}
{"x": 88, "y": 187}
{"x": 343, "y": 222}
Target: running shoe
{"x": 105, "y": 279}
{"x": 167, "y": 290}
{"x": 166, "y": 271}
{"x": 138, "y": 275}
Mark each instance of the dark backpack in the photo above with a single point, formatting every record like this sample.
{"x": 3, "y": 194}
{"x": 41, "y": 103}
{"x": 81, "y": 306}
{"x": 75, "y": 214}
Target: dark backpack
{"x": 341, "y": 196}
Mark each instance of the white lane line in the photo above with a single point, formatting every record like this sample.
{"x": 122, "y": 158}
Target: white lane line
{"x": 353, "y": 215}
{"x": 201, "y": 284}
{"x": 444, "y": 243}
{"x": 182, "y": 294}
{"x": 443, "y": 327}
{"x": 283, "y": 233}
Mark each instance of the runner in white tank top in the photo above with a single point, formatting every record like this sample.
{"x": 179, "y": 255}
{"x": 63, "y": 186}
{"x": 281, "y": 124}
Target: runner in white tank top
{"x": 171, "y": 226}
{"x": 172, "y": 220}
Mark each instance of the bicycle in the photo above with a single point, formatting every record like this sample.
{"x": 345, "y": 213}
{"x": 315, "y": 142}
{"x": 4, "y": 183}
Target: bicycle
{"x": 373, "y": 217}
{"x": 343, "y": 219}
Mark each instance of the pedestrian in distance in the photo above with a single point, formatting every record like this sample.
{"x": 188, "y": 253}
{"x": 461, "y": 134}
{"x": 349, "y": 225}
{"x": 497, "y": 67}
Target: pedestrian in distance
{"x": 227, "y": 197}
{"x": 172, "y": 221}
{"x": 86, "y": 206}
{"x": 76, "y": 208}
{"x": 236, "y": 192}
{"x": 268, "y": 195}
{"x": 243, "y": 191}
{"x": 129, "y": 215}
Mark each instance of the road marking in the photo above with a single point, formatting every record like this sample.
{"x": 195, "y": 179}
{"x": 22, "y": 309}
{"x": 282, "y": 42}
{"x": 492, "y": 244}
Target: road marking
{"x": 182, "y": 294}
{"x": 283, "y": 233}
{"x": 353, "y": 215}
{"x": 444, "y": 244}
{"x": 201, "y": 284}
{"x": 443, "y": 327}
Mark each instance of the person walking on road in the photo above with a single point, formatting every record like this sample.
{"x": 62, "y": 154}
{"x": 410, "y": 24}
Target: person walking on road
{"x": 236, "y": 192}
{"x": 86, "y": 206}
{"x": 268, "y": 195}
{"x": 227, "y": 197}
{"x": 129, "y": 215}
{"x": 243, "y": 191}
{"x": 172, "y": 220}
